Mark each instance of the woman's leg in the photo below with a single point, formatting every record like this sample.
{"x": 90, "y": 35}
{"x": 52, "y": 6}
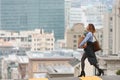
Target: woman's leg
{"x": 100, "y": 71}
{"x": 96, "y": 66}
{"x": 83, "y": 65}
{"x": 83, "y": 61}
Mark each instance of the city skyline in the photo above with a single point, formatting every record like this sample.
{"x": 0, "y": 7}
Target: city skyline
{"x": 48, "y": 47}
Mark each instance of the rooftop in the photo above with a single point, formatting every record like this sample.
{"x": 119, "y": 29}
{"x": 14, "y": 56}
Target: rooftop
{"x": 74, "y": 62}
{"x": 109, "y": 57}
{"x": 54, "y": 54}
{"x": 22, "y": 59}
{"x": 63, "y": 69}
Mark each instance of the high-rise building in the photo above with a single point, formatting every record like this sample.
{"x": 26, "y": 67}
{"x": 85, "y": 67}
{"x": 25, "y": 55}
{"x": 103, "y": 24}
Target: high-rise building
{"x": 94, "y": 14}
{"x": 107, "y": 34}
{"x": 28, "y": 14}
{"x": 111, "y": 37}
{"x": 116, "y": 27}
{"x": 93, "y": 10}
{"x": 76, "y": 16}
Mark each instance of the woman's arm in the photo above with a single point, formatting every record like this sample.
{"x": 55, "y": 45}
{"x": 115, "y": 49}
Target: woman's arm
{"x": 86, "y": 39}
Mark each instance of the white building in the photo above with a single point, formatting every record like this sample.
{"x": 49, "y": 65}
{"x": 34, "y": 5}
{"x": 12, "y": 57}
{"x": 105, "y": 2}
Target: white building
{"x": 42, "y": 41}
{"x": 111, "y": 41}
{"x": 15, "y": 38}
{"x": 76, "y": 16}
{"x": 60, "y": 44}
{"x": 116, "y": 27}
{"x": 107, "y": 34}
{"x": 94, "y": 14}
{"x": 73, "y": 34}
{"x": 36, "y": 40}
{"x": 92, "y": 11}
{"x": 111, "y": 37}
{"x": 110, "y": 64}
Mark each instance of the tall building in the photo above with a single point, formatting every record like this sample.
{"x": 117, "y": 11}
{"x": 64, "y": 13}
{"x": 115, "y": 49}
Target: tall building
{"x": 94, "y": 14}
{"x": 116, "y": 27}
{"x": 107, "y": 34}
{"x": 93, "y": 10}
{"x": 76, "y": 16}
{"x": 73, "y": 34}
{"x": 28, "y": 14}
{"x": 111, "y": 37}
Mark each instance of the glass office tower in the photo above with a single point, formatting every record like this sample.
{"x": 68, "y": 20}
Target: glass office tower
{"x": 30, "y": 14}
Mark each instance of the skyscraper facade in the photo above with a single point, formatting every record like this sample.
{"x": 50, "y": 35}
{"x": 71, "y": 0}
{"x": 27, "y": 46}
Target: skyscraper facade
{"x": 30, "y": 14}
{"x": 93, "y": 10}
{"x": 111, "y": 37}
{"x": 116, "y": 27}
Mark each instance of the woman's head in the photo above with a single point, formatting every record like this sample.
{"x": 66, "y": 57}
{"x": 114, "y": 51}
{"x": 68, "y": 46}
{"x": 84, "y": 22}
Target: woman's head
{"x": 91, "y": 28}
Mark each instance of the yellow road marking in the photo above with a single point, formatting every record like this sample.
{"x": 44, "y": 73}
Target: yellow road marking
{"x": 39, "y": 79}
{"x": 90, "y": 78}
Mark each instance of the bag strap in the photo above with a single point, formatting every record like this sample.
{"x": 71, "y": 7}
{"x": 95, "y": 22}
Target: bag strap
{"x": 95, "y": 37}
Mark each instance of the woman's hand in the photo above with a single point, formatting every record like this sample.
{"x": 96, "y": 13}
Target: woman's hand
{"x": 84, "y": 46}
{"x": 79, "y": 47}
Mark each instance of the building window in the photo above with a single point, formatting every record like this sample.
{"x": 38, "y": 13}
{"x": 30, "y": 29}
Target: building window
{"x": 111, "y": 18}
{"x": 79, "y": 35}
{"x": 74, "y": 36}
{"x": 101, "y": 36}
{"x": 74, "y": 45}
{"x": 29, "y": 40}
{"x": 22, "y": 39}
{"x": 74, "y": 41}
{"x": 119, "y": 11}
{"x": 48, "y": 39}
{"x": 47, "y": 48}
{"x": 38, "y": 48}
{"x": 52, "y": 44}
{"x": 38, "y": 44}
{"x": 38, "y": 39}
{"x": 110, "y": 30}
{"x": 51, "y": 39}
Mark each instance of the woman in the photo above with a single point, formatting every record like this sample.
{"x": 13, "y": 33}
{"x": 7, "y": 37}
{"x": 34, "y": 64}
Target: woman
{"x": 89, "y": 53}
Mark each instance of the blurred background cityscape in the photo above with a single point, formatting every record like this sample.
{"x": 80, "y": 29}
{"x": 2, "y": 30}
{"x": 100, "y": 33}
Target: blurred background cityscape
{"x": 39, "y": 38}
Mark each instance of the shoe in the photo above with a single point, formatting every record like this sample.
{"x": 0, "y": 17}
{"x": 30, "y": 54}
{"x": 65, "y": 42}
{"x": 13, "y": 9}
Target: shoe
{"x": 82, "y": 74}
{"x": 100, "y": 72}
